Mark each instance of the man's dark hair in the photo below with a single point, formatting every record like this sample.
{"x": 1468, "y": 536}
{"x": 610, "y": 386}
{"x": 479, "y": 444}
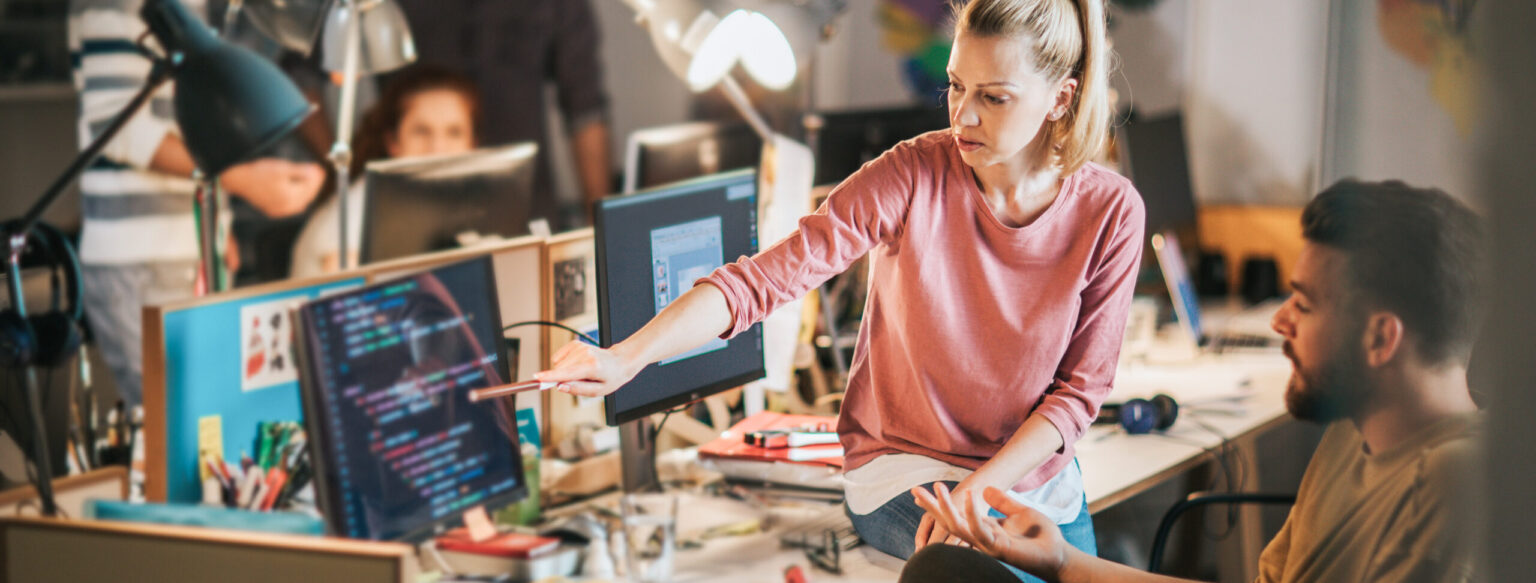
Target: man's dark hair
{"x": 1415, "y": 252}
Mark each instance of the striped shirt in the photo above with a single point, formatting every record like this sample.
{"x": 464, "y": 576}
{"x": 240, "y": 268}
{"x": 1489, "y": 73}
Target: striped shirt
{"x": 132, "y": 214}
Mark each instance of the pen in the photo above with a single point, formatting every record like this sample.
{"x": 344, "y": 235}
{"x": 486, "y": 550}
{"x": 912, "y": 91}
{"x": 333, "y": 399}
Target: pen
{"x": 298, "y": 475}
{"x": 296, "y": 482}
{"x": 276, "y": 479}
{"x": 778, "y": 439}
{"x": 263, "y": 444}
{"x": 483, "y": 394}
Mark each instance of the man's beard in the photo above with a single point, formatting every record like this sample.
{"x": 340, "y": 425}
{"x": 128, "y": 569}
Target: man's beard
{"x": 1328, "y": 391}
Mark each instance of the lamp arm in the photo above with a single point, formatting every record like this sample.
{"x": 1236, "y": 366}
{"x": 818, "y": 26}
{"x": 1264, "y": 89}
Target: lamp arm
{"x": 341, "y": 151}
{"x": 159, "y": 73}
{"x": 15, "y": 240}
{"x": 738, "y": 98}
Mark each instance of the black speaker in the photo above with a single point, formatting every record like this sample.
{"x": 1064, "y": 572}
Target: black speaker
{"x": 1211, "y": 274}
{"x": 1261, "y": 279}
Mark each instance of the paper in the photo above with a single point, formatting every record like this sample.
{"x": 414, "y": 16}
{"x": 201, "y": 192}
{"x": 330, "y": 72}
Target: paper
{"x": 479, "y": 524}
{"x": 266, "y": 344}
{"x": 210, "y": 443}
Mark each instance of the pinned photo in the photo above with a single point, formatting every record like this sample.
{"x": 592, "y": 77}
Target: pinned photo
{"x": 266, "y": 344}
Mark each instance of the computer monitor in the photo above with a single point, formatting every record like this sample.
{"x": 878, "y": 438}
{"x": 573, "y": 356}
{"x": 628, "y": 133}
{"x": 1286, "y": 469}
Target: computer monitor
{"x": 662, "y": 155}
{"x": 1153, "y": 156}
{"x": 845, "y": 140}
{"x": 651, "y": 247}
{"x": 399, "y": 451}
{"x": 418, "y": 205}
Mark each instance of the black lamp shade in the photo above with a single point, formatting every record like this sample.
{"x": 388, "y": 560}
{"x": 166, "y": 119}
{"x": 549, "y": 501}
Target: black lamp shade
{"x": 230, "y": 103}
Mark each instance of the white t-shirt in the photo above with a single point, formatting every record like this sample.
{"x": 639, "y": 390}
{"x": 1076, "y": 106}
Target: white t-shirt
{"x": 871, "y": 485}
{"x": 319, "y": 237}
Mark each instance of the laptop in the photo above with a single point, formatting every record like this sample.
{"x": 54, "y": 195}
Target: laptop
{"x": 1186, "y": 304}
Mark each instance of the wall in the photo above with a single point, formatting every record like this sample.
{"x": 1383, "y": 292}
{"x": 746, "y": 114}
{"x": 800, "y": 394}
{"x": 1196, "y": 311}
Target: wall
{"x": 851, "y": 70}
{"x": 1248, "y": 75}
{"x": 37, "y": 141}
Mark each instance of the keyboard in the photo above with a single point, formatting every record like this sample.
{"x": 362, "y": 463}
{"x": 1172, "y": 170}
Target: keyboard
{"x": 1241, "y": 341}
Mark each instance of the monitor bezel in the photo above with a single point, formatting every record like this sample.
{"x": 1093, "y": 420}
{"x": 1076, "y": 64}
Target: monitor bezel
{"x": 524, "y": 154}
{"x": 317, "y": 425}
{"x": 616, "y": 417}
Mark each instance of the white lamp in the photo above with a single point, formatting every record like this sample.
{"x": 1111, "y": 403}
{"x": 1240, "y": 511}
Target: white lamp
{"x": 361, "y": 37}
{"x": 701, "y": 48}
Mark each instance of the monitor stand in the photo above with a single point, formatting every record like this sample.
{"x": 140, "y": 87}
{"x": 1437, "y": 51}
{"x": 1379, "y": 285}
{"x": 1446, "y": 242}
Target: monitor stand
{"x": 637, "y": 454}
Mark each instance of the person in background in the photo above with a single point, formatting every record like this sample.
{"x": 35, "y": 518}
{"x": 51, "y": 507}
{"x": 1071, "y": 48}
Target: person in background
{"x": 512, "y": 49}
{"x": 138, "y": 242}
{"x": 1379, "y": 329}
{"x": 1002, "y": 264}
{"x": 424, "y": 111}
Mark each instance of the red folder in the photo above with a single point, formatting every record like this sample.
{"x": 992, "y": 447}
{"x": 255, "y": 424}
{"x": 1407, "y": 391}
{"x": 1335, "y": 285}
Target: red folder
{"x": 512, "y": 544}
{"x": 730, "y": 445}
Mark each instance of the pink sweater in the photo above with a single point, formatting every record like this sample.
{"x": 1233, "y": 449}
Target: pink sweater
{"x": 971, "y": 326}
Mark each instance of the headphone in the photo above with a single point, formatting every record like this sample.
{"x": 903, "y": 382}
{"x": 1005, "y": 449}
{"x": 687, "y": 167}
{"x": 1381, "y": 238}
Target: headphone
{"x": 1140, "y": 416}
{"x": 47, "y": 338}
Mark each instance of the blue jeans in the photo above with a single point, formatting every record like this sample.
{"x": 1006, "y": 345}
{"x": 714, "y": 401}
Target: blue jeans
{"x": 892, "y": 528}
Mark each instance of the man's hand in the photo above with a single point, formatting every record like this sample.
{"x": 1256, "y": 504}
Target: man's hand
{"x": 277, "y": 188}
{"x": 1024, "y": 538}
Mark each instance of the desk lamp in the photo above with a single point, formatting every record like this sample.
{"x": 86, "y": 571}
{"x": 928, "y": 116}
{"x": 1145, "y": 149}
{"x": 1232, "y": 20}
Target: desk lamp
{"x": 230, "y": 104}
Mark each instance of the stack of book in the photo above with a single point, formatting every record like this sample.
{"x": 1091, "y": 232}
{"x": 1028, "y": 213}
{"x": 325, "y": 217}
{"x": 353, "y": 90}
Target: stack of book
{"x": 779, "y": 449}
{"x": 523, "y": 556}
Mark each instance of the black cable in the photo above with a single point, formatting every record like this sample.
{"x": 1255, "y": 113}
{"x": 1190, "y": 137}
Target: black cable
{"x": 656, "y": 432}
{"x": 1235, "y": 482}
{"x": 27, "y": 464}
{"x": 578, "y": 333}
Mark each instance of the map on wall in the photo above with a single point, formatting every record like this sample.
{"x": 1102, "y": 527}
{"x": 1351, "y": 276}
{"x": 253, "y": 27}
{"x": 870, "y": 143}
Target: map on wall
{"x": 1401, "y": 97}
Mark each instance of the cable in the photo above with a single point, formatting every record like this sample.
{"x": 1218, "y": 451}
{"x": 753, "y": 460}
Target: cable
{"x": 657, "y": 432}
{"x": 578, "y": 333}
{"x": 1235, "y": 480}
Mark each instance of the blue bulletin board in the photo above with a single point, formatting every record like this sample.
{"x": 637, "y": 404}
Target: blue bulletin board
{"x": 232, "y": 360}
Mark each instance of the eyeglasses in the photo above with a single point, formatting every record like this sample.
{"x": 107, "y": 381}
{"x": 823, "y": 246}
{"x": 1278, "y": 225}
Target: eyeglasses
{"x": 825, "y": 554}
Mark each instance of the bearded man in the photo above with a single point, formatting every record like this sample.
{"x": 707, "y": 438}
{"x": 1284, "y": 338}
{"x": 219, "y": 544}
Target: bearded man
{"x": 1379, "y": 329}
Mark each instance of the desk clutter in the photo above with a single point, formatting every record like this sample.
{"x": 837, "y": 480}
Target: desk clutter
{"x": 270, "y": 481}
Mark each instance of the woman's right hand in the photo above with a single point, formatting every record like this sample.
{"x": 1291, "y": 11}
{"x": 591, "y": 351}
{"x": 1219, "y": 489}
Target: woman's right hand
{"x": 588, "y": 371}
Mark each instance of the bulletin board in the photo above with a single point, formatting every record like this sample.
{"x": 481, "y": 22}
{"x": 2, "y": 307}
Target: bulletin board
{"x": 210, "y": 363}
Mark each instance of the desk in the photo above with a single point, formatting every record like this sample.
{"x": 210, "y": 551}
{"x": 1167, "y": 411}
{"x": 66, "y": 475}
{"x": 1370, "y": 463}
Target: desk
{"x": 1116, "y": 466}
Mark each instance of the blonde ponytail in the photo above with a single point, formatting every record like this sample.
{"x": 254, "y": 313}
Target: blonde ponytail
{"x": 1068, "y": 39}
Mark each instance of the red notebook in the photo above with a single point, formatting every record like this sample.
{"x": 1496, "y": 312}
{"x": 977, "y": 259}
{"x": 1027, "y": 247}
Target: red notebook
{"x": 512, "y": 544}
{"x": 730, "y": 445}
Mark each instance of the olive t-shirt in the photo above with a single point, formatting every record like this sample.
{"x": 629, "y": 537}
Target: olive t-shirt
{"x": 1389, "y": 516}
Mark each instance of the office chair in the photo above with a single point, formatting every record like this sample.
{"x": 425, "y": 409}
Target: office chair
{"x": 1197, "y": 499}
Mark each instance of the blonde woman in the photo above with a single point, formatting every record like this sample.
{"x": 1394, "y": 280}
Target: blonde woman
{"x": 1002, "y": 269}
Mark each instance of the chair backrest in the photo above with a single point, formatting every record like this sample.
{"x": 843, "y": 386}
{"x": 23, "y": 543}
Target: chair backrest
{"x": 1155, "y": 561}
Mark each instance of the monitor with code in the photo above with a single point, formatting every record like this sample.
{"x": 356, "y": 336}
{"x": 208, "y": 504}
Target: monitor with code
{"x": 400, "y": 452}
